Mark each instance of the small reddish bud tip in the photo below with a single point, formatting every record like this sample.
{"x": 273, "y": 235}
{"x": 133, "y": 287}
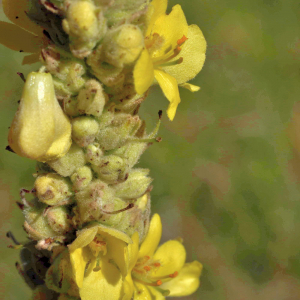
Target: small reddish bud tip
{"x": 20, "y": 205}
{"x": 21, "y": 76}
{"x": 159, "y": 282}
{"x": 160, "y": 114}
{"x": 9, "y": 149}
{"x": 147, "y": 268}
{"x": 158, "y": 139}
{"x": 175, "y": 274}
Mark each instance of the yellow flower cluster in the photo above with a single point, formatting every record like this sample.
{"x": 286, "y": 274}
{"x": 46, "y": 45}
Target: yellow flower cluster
{"x": 105, "y": 259}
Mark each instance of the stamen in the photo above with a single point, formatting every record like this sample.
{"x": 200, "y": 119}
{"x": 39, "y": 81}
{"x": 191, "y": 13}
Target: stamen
{"x": 182, "y": 40}
{"x": 143, "y": 260}
{"x": 157, "y": 264}
{"x": 97, "y": 268}
{"x": 157, "y": 283}
{"x": 175, "y": 274}
{"x": 147, "y": 268}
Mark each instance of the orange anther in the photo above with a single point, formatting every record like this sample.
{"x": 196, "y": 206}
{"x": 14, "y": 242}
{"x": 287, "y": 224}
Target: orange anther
{"x": 173, "y": 275}
{"x": 147, "y": 257}
{"x": 182, "y": 40}
{"x": 147, "y": 268}
{"x": 157, "y": 264}
{"x": 158, "y": 282}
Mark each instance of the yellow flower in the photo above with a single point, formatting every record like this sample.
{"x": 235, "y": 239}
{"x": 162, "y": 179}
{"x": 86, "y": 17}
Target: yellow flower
{"x": 40, "y": 130}
{"x": 174, "y": 53}
{"x": 98, "y": 262}
{"x": 156, "y": 273}
{"x": 23, "y": 35}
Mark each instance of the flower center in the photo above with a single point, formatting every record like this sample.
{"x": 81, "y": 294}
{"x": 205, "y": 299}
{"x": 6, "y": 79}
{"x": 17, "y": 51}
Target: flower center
{"x": 144, "y": 272}
{"x": 98, "y": 245}
{"x": 155, "y": 42}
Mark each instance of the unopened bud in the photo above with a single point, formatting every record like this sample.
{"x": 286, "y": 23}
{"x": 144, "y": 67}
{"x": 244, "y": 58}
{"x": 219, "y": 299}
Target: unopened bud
{"x": 119, "y": 131}
{"x": 70, "y": 106}
{"x": 111, "y": 169}
{"x": 81, "y": 178}
{"x": 135, "y": 186}
{"x": 52, "y": 189}
{"x": 93, "y": 154}
{"x": 84, "y": 130}
{"x": 59, "y": 219}
{"x": 91, "y": 99}
{"x": 40, "y": 130}
{"x": 123, "y": 45}
{"x": 36, "y": 224}
{"x": 66, "y": 165}
{"x": 85, "y": 26}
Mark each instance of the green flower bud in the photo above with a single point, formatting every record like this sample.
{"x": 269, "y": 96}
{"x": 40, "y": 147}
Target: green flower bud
{"x": 59, "y": 219}
{"x": 91, "y": 199}
{"x": 85, "y": 25}
{"x": 52, "y": 189}
{"x": 93, "y": 154}
{"x": 111, "y": 169}
{"x": 136, "y": 218}
{"x": 70, "y": 106}
{"x": 119, "y": 131}
{"x": 36, "y": 224}
{"x": 59, "y": 276}
{"x": 81, "y": 178}
{"x": 66, "y": 165}
{"x": 91, "y": 99}
{"x": 41, "y": 292}
{"x": 106, "y": 73}
{"x": 123, "y": 45}
{"x": 84, "y": 130}
{"x": 135, "y": 186}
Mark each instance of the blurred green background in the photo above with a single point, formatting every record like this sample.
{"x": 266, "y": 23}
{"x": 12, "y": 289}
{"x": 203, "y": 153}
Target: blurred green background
{"x": 226, "y": 174}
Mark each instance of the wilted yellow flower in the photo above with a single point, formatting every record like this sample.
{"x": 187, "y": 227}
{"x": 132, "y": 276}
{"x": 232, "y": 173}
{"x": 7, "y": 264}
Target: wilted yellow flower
{"x": 156, "y": 273}
{"x": 40, "y": 130}
{"x": 174, "y": 53}
{"x": 98, "y": 262}
{"x": 23, "y": 35}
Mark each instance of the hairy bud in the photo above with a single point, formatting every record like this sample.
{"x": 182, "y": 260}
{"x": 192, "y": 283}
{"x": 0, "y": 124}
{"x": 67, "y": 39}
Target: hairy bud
{"x": 81, "y": 178}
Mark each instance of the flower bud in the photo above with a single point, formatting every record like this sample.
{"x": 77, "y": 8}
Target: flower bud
{"x": 135, "y": 186}
{"x": 36, "y": 224}
{"x": 40, "y": 130}
{"x": 59, "y": 219}
{"x": 93, "y": 154}
{"x": 66, "y": 165}
{"x": 85, "y": 26}
{"x": 123, "y": 45}
{"x": 91, "y": 99}
{"x": 81, "y": 178}
{"x": 70, "y": 106}
{"x": 111, "y": 169}
{"x": 122, "y": 127}
{"x": 41, "y": 292}
{"x": 84, "y": 130}
{"x": 60, "y": 277}
{"x": 52, "y": 189}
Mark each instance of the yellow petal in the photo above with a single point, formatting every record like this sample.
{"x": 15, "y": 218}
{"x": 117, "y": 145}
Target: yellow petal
{"x": 172, "y": 256}
{"x": 128, "y": 288}
{"x": 193, "y": 54}
{"x": 156, "y": 294}
{"x": 190, "y": 87}
{"x": 143, "y": 73}
{"x": 171, "y": 27}
{"x": 40, "y": 122}
{"x": 133, "y": 251}
{"x": 17, "y": 39}
{"x": 16, "y": 10}
{"x": 187, "y": 282}
{"x": 117, "y": 251}
{"x": 84, "y": 237}
{"x": 141, "y": 292}
{"x": 105, "y": 284}
{"x": 153, "y": 237}
{"x": 115, "y": 233}
{"x": 155, "y": 9}
{"x": 169, "y": 87}
{"x": 79, "y": 259}
{"x": 31, "y": 59}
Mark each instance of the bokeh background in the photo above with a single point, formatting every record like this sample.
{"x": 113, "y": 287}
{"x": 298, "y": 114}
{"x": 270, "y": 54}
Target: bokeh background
{"x": 227, "y": 173}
